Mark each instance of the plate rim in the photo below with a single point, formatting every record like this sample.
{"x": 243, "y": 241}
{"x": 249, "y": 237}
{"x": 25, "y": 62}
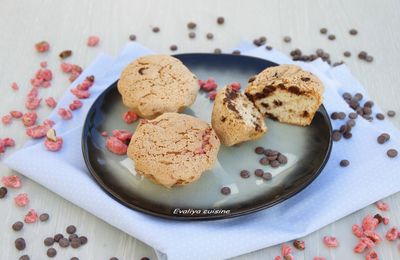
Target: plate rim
{"x": 120, "y": 200}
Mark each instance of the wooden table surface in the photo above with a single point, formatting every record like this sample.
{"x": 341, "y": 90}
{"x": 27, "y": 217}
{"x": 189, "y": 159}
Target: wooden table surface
{"x": 67, "y": 24}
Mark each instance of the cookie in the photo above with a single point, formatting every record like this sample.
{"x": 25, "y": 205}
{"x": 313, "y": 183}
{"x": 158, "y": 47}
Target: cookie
{"x": 286, "y": 93}
{"x": 173, "y": 149}
{"x": 235, "y": 119}
{"x": 154, "y": 84}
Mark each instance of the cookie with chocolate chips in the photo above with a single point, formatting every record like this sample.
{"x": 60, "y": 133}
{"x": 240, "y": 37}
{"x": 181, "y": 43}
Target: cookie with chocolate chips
{"x": 286, "y": 93}
{"x": 235, "y": 119}
{"x": 154, "y": 84}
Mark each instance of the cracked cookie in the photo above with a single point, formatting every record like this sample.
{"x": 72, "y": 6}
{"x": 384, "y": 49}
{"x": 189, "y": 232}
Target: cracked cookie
{"x": 173, "y": 149}
{"x": 235, "y": 119}
{"x": 286, "y": 93}
{"x": 154, "y": 84}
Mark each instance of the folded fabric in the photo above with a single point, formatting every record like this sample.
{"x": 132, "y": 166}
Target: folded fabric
{"x": 333, "y": 195}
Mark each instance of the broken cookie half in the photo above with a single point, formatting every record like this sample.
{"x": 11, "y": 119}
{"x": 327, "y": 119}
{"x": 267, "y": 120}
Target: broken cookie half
{"x": 235, "y": 119}
{"x": 286, "y": 93}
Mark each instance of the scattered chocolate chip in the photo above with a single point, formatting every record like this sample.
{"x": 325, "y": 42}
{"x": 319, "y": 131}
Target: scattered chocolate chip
{"x": 323, "y": 30}
{"x": 299, "y": 244}
{"x": 362, "y": 55}
{"x": 220, "y": 20}
{"x": 334, "y": 115}
{"x": 353, "y": 115}
{"x": 391, "y": 113}
{"x": 379, "y": 218}
{"x": 268, "y": 48}
{"x": 274, "y": 163}
{"x": 392, "y": 153}
{"x": 336, "y": 136}
{"x": 65, "y": 54}
{"x": 347, "y": 54}
{"x": 74, "y": 258}
{"x": 75, "y": 242}
{"x": 346, "y": 95}
{"x": 210, "y": 36}
{"x": 369, "y": 104}
{"x": 51, "y": 252}
{"x": 353, "y": 32}
{"x": 71, "y": 229}
{"x": 337, "y": 63}
{"x": 217, "y": 51}
{"x": 236, "y": 52}
{"x": 57, "y": 237}
{"x": 145, "y": 258}
{"x": 264, "y": 161}
{"x": 113, "y": 258}
{"x": 132, "y": 37}
{"x": 258, "y": 173}
{"x": 191, "y": 25}
{"x": 287, "y": 39}
{"x": 24, "y": 257}
{"x": 17, "y": 226}
{"x": 83, "y": 239}
{"x": 244, "y": 174}
{"x": 344, "y": 163}
{"x": 331, "y": 37}
{"x": 341, "y": 115}
{"x": 383, "y": 138}
{"x": 3, "y": 192}
{"x": 269, "y": 152}
{"x": 347, "y": 135}
{"x": 380, "y": 116}
{"x": 267, "y": 176}
{"x": 192, "y": 35}
{"x": 156, "y": 29}
{"x": 173, "y": 47}
{"x": 226, "y": 191}
{"x": 44, "y": 217}
{"x": 48, "y": 241}
{"x": 369, "y": 58}
{"x": 282, "y": 159}
{"x": 259, "y": 150}
{"x": 351, "y": 123}
{"x": 358, "y": 96}
{"x": 72, "y": 236}
{"x": 20, "y": 243}
{"x": 63, "y": 242}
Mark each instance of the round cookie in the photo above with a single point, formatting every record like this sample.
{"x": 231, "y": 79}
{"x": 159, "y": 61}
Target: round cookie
{"x": 173, "y": 149}
{"x": 154, "y": 84}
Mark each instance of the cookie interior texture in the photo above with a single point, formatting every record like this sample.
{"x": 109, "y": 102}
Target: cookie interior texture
{"x": 235, "y": 119}
{"x": 286, "y": 93}
{"x": 155, "y": 84}
{"x": 173, "y": 149}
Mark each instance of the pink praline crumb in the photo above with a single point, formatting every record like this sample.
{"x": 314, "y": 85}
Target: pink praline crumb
{"x": 383, "y": 206}
{"x": 16, "y": 114}
{"x": 53, "y": 146}
{"x": 392, "y": 234}
{"x": 21, "y": 200}
{"x": 104, "y": 133}
{"x": 212, "y": 95}
{"x": 93, "y": 41}
{"x": 51, "y": 102}
{"x": 14, "y": 86}
{"x": 31, "y": 216}
{"x": 371, "y": 255}
{"x": 29, "y": 118}
{"x": 330, "y": 241}
{"x": 76, "y": 104}
{"x": 64, "y": 113}
{"x": 12, "y": 181}
{"x": 129, "y": 117}
{"x": 116, "y": 146}
{"x": 235, "y": 86}
{"x": 42, "y": 46}
{"x": 6, "y": 120}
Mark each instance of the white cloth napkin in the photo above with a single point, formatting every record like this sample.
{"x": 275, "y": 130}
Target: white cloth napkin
{"x": 333, "y": 195}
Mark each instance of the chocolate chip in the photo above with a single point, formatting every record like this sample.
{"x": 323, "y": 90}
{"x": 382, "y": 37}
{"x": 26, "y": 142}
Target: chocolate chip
{"x": 268, "y": 48}
{"x": 75, "y": 242}
{"x": 83, "y": 239}
{"x": 24, "y": 257}
{"x": 63, "y": 242}
{"x": 353, "y": 31}
{"x": 369, "y": 103}
{"x": 383, "y": 138}
{"x": 173, "y": 47}
{"x": 380, "y": 116}
{"x": 264, "y": 161}
{"x": 259, "y": 150}
{"x": 299, "y": 244}
{"x": 369, "y": 58}
{"x": 217, "y": 51}
{"x": 48, "y": 241}
{"x": 74, "y": 258}
{"x": 51, "y": 252}
{"x": 367, "y": 111}
{"x": 226, "y": 191}
{"x": 287, "y": 39}
{"x": 347, "y": 54}
{"x": 323, "y": 30}
{"x": 156, "y": 29}
{"x": 351, "y": 122}
{"x": 192, "y": 35}
{"x": 132, "y": 37}
{"x": 210, "y": 36}
{"x": 341, "y": 115}
{"x": 358, "y": 96}
{"x": 65, "y": 54}
{"x": 20, "y": 243}
{"x": 236, "y": 52}
{"x": 113, "y": 258}
{"x": 44, "y": 217}
{"x": 344, "y": 163}
{"x": 57, "y": 237}
{"x": 220, "y": 20}
{"x": 3, "y": 192}
{"x": 362, "y": 55}
{"x": 353, "y": 115}
{"x": 17, "y": 226}
{"x": 282, "y": 159}
{"x": 258, "y": 173}
{"x": 346, "y": 95}
{"x": 392, "y": 153}
{"x": 331, "y": 37}
{"x": 244, "y": 174}
{"x": 274, "y": 163}
{"x": 144, "y": 258}
{"x": 344, "y": 128}
{"x": 391, "y": 113}
{"x": 267, "y": 176}
{"x": 347, "y": 135}
{"x": 191, "y": 25}
{"x": 334, "y": 115}
{"x": 337, "y": 63}
{"x": 71, "y": 229}
{"x": 72, "y": 236}
{"x": 269, "y": 153}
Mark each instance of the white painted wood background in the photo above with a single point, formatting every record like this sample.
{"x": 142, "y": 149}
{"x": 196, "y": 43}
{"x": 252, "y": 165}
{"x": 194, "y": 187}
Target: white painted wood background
{"x": 67, "y": 24}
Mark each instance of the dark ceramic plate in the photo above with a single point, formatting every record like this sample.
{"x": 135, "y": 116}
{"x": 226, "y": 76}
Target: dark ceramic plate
{"x": 307, "y": 148}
